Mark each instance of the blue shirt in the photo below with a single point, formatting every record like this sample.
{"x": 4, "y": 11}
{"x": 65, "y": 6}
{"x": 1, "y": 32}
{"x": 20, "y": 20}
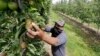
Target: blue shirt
{"x": 59, "y": 48}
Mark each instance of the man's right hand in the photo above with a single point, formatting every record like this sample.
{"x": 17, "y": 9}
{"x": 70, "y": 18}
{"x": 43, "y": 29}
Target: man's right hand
{"x": 31, "y": 33}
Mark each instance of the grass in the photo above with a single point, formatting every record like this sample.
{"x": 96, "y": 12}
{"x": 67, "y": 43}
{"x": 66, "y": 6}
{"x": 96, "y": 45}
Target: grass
{"x": 53, "y": 17}
{"x": 76, "y": 45}
{"x": 77, "y": 41}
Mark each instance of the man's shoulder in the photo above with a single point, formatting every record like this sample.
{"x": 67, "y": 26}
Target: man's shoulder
{"x": 63, "y": 33}
{"x": 48, "y": 28}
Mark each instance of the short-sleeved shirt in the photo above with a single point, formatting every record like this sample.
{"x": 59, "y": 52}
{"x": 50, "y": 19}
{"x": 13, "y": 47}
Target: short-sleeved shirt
{"x": 59, "y": 48}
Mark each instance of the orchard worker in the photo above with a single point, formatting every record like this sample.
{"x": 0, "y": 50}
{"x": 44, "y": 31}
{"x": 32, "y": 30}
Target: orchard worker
{"x": 57, "y": 40}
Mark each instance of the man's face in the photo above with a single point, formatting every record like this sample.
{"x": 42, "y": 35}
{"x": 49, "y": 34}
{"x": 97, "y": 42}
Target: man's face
{"x": 58, "y": 27}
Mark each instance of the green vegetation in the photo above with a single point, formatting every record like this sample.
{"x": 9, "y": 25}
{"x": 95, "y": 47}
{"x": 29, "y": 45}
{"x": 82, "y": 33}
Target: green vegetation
{"x": 88, "y": 11}
{"x": 53, "y": 17}
{"x": 76, "y": 45}
{"x": 13, "y": 17}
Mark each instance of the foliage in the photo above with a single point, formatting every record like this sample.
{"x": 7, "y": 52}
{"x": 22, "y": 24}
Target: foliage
{"x": 87, "y": 11}
{"x": 12, "y": 26}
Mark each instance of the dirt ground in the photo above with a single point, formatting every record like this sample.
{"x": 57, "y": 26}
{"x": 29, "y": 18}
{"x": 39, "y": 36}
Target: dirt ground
{"x": 48, "y": 49}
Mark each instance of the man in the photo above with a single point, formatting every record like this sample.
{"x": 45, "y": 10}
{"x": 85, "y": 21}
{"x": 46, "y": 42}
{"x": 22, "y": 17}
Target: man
{"x": 57, "y": 40}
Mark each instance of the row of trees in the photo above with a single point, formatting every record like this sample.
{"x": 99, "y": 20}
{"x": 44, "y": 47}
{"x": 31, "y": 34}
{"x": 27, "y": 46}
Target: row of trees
{"x": 88, "y": 11}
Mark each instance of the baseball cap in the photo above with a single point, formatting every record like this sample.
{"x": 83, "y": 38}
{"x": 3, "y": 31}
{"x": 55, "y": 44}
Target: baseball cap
{"x": 60, "y": 22}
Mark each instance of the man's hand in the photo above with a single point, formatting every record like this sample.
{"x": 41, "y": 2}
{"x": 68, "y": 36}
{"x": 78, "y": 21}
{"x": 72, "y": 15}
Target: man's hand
{"x": 30, "y": 35}
{"x": 35, "y": 26}
{"x": 37, "y": 31}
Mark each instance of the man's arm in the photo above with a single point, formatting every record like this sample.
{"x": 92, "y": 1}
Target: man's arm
{"x": 50, "y": 40}
{"x": 43, "y": 36}
{"x": 55, "y": 41}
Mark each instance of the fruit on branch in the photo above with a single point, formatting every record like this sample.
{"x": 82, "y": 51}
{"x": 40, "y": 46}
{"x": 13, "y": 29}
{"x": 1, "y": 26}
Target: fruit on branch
{"x": 28, "y": 24}
{"x": 12, "y": 5}
{"x": 3, "y": 5}
{"x": 23, "y": 45}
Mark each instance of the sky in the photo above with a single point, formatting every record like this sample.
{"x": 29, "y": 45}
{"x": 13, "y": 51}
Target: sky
{"x": 55, "y": 1}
